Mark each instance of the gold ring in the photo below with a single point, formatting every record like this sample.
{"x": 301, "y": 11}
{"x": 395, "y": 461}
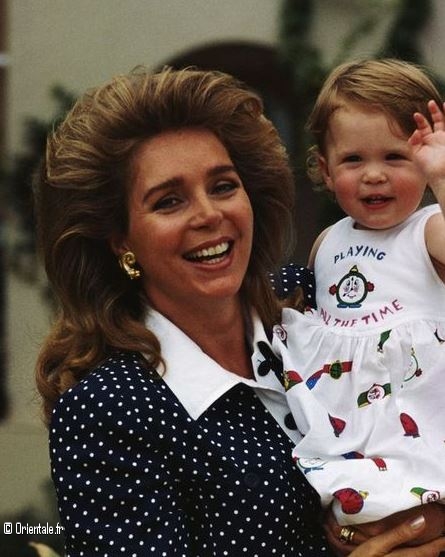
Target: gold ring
{"x": 346, "y": 534}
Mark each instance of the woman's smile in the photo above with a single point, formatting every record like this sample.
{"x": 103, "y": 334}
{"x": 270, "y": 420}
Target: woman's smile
{"x": 190, "y": 220}
{"x": 211, "y": 254}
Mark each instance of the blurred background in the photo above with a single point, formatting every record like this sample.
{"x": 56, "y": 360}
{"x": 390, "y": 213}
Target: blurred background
{"x": 52, "y": 50}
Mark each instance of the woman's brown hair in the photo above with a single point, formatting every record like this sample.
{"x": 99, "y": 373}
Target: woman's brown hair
{"x": 81, "y": 195}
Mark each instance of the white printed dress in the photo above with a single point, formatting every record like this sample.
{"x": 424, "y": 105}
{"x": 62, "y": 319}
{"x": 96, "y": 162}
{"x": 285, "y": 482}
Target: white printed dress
{"x": 365, "y": 372}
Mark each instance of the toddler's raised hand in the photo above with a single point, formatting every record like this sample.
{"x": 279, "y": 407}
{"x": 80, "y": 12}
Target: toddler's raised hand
{"x": 428, "y": 144}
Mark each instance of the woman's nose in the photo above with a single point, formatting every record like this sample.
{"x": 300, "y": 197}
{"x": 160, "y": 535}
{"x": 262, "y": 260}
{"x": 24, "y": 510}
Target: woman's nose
{"x": 206, "y": 212}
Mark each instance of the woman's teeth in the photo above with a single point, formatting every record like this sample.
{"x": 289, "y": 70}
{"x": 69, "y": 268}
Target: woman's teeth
{"x": 212, "y": 254}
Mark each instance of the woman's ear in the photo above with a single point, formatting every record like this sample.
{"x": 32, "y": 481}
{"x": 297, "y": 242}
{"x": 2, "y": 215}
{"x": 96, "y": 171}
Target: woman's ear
{"x": 324, "y": 167}
{"x": 118, "y": 245}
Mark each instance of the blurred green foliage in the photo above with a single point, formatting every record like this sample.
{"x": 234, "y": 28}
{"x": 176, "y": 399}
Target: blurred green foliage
{"x": 16, "y": 179}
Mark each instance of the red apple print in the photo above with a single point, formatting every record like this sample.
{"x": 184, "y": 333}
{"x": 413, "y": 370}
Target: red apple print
{"x": 350, "y": 499}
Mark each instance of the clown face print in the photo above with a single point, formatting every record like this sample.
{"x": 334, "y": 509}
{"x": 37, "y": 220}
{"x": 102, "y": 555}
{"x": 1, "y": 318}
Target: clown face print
{"x": 352, "y": 289}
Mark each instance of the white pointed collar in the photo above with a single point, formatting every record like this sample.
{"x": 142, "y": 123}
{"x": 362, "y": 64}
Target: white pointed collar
{"x": 197, "y": 380}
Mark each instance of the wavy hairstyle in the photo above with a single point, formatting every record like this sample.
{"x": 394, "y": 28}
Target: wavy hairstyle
{"x": 394, "y": 87}
{"x": 81, "y": 193}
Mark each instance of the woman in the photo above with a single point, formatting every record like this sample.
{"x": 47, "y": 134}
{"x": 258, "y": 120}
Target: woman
{"x": 163, "y": 203}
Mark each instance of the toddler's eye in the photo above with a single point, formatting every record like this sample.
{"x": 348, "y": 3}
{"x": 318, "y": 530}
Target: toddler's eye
{"x": 352, "y": 158}
{"x": 395, "y": 157}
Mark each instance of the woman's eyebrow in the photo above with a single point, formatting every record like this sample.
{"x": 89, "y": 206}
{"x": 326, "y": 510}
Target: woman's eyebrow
{"x": 165, "y": 185}
{"x": 221, "y": 169}
{"x": 177, "y": 181}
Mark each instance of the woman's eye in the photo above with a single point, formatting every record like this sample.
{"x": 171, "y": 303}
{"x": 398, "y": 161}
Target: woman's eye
{"x": 166, "y": 203}
{"x": 225, "y": 187}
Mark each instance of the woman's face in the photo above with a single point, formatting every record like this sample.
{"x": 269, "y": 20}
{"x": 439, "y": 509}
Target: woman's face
{"x": 190, "y": 220}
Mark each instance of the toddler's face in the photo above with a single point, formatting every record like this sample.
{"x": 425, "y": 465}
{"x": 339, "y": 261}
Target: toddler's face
{"x": 370, "y": 169}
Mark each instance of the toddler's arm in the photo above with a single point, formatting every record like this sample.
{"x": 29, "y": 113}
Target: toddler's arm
{"x": 314, "y": 249}
{"x": 428, "y": 144}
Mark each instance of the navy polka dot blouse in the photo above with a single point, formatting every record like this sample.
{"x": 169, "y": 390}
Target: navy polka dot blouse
{"x": 137, "y": 475}
{"x": 294, "y": 276}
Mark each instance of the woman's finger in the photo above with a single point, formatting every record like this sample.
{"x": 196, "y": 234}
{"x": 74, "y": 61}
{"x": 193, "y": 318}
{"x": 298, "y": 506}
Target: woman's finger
{"x": 382, "y": 544}
{"x": 386, "y": 544}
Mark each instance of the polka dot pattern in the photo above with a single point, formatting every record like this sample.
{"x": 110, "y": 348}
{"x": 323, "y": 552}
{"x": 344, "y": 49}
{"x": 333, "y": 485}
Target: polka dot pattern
{"x": 136, "y": 476}
{"x": 292, "y": 276}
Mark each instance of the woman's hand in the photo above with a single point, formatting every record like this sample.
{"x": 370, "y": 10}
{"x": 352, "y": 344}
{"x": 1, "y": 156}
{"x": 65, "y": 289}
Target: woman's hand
{"x": 393, "y": 542}
{"x": 434, "y": 518}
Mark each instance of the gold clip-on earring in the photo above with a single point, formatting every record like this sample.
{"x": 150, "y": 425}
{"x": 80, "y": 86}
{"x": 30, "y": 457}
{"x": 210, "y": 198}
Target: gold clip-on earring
{"x": 127, "y": 261}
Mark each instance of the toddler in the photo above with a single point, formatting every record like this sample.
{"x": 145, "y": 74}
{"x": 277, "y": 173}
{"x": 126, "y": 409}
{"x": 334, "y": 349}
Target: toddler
{"x": 365, "y": 372}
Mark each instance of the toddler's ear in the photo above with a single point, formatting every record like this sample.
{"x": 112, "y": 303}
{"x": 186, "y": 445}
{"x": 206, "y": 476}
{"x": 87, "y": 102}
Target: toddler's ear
{"x": 324, "y": 167}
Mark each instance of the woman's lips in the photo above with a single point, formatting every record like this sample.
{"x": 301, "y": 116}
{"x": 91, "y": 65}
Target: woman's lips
{"x": 211, "y": 254}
